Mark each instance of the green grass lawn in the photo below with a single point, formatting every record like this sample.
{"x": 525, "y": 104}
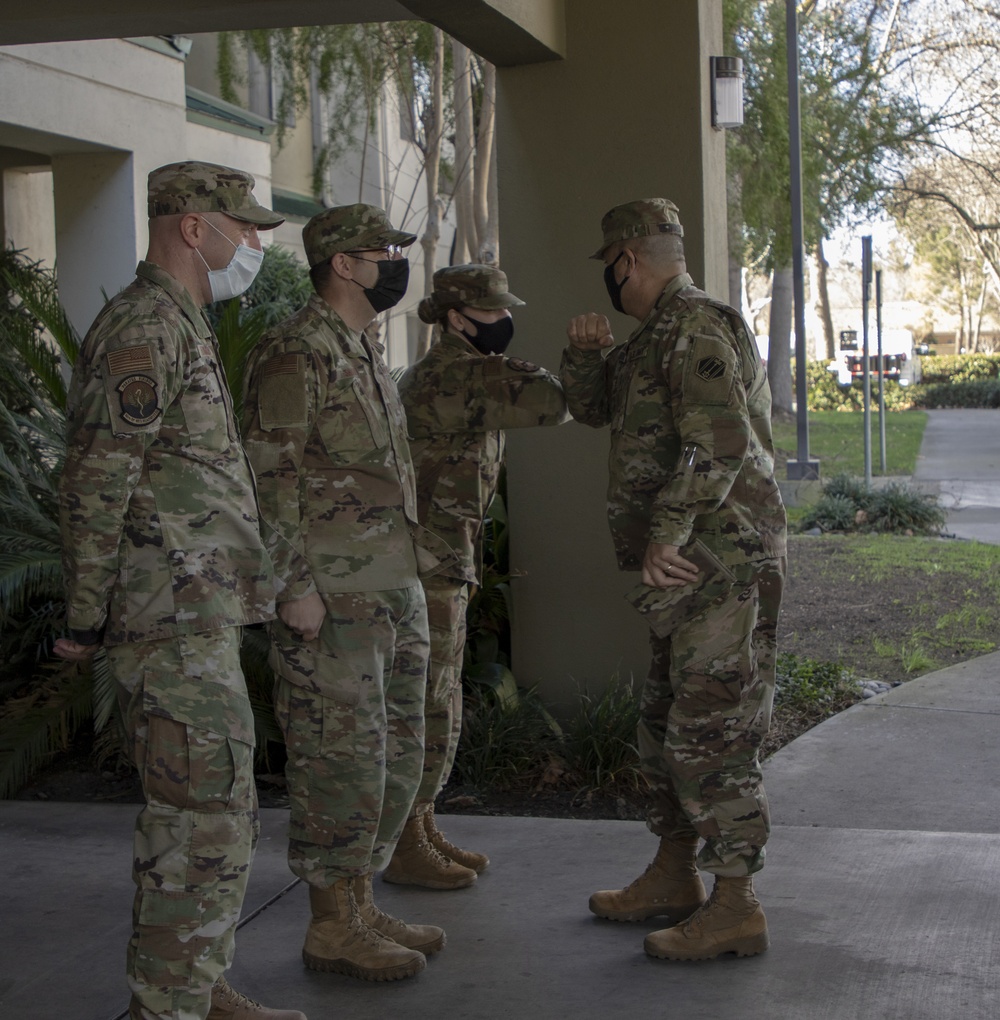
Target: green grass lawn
{"x": 836, "y": 439}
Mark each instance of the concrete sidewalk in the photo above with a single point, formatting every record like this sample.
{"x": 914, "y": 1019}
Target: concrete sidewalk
{"x": 960, "y": 463}
{"x": 880, "y": 887}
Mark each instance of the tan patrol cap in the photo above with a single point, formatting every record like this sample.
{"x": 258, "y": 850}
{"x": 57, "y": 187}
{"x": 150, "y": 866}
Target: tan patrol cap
{"x": 475, "y": 286}
{"x": 191, "y": 187}
{"x": 350, "y": 228}
{"x": 639, "y": 218}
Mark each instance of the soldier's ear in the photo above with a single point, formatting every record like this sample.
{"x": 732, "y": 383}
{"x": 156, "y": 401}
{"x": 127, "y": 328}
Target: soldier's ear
{"x": 340, "y": 263}
{"x": 192, "y": 229}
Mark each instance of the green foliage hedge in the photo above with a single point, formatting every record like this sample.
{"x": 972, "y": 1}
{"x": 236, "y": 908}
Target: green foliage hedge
{"x": 957, "y": 368}
{"x": 960, "y": 380}
{"x": 826, "y": 394}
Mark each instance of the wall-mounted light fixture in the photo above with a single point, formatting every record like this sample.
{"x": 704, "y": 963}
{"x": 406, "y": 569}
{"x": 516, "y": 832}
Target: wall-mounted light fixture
{"x": 727, "y": 91}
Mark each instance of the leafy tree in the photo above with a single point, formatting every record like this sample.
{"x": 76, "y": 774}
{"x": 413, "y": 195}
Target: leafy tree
{"x": 856, "y": 129}
{"x": 446, "y": 95}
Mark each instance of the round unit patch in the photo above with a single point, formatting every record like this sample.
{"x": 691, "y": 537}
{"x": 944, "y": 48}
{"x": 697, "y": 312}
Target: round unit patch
{"x": 521, "y": 366}
{"x": 137, "y": 394}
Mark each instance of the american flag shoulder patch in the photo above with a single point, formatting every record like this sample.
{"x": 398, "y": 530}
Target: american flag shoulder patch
{"x": 126, "y": 360}
{"x": 283, "y": 364}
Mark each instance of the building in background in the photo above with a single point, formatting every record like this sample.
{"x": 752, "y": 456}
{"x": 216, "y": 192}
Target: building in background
{"x": 82, "y": 123}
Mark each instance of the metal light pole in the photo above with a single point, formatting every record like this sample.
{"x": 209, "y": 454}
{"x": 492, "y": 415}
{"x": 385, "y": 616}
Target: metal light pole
{"x": 881, "y": 371}
{"x": 866, "y": 289}
{"x": 802, "y": 467}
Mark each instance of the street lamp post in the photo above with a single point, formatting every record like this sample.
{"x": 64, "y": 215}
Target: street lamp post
{"x": 802, "y": 467}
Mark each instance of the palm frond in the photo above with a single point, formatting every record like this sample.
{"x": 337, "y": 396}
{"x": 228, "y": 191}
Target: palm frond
{"x": 33, "y": 725}
{"x": 35, "y": 289}
{"x": 239, "y": 332}
{"x": 105, "y": 691}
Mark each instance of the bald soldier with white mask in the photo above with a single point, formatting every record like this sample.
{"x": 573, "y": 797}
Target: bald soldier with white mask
{"x": 164, "y": 565}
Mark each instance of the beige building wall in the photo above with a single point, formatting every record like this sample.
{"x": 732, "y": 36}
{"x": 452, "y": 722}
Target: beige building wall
{"x": 625, "y": 115}
{"x": 95, "y": 117}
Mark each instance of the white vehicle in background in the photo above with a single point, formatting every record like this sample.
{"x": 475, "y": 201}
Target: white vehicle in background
{"x": 899, "y": 357}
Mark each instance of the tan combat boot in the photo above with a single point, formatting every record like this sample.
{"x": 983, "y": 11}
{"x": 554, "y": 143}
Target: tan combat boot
{"x": 730, "y": 922}
{"x": 424, "y": 938}
{"x": 670, "y": 886}
{"x": 339, "y": 940}
{"x": 228, "y": 1004}
{"x": 437, "y": 839}
{"x": 416, "y": 862}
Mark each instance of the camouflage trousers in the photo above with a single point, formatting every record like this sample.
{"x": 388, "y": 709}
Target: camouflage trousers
{"x": 351, "y": 706}
{"x": 447, "y": 601}
{"x": 190, "y": 733}
{"x": 706, "y": 707}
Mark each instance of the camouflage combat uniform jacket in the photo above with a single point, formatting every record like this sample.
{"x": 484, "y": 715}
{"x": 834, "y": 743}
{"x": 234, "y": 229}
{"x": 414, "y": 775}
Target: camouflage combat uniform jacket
{"x": 157, "y": 511}
{"x": 326, "y": 434}
{"x": 690, "y": 413}
{"x": 457, "y": 402}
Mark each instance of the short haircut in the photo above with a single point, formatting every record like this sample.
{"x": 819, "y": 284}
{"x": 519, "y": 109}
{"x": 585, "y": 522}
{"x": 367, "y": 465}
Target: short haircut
{"x": 659, "y": 249}
{"x": 320, "y": 275}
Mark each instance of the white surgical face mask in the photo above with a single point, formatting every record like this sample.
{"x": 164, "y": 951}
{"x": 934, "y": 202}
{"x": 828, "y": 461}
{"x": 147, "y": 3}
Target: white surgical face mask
{"x": 238, "y": 275}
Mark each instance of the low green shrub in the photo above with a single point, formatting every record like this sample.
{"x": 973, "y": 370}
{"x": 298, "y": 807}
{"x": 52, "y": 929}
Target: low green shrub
{"x": 599, "y": 742}
{"x": 831, "y": 513}
{"x": 803, "y": 684}
{"x": 506, "y": 741}
{"x": 898, "y": 508}
{"x": 848, "y": 504}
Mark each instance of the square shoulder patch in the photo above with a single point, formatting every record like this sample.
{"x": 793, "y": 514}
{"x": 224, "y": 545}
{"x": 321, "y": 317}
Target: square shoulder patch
{"x": 281, "y": 396}
{"x": 709, "y": 371}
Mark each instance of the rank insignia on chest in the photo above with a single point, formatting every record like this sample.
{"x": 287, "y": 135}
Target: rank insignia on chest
{"x": 711, "y": 368}
{"x": 139, "y": 402}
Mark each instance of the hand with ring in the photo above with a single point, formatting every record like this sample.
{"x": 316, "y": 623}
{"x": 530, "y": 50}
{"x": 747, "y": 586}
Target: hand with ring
{"x": 664, "y": 567}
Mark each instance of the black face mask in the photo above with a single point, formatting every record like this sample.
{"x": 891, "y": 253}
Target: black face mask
{"x": 389, "y": 288}
{"x": 492, "y": 337}
{"x": 615, "y": 288}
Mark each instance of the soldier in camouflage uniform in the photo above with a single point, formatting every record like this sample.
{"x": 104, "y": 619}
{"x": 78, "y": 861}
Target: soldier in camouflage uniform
{"x": 327, "y": 436}
{"x": 164, "y": 564}
{"x": 458, "y": 399}
{"x": 693, "y": 504}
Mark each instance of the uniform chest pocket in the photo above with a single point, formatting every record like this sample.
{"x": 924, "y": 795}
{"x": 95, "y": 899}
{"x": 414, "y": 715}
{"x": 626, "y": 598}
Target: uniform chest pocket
{"x": 205, "y": 402}
{"x": 352, "y": 424}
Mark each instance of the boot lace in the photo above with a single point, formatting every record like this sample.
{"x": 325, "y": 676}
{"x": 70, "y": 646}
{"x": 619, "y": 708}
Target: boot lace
{"x": 364, "y": 931}
{"x": 636, "y": 882}
{"x": 427, "y": 847}
{"x": 224, "y": 994}
{"x": 383, "y": 922}
{"x": 359, "y": 926}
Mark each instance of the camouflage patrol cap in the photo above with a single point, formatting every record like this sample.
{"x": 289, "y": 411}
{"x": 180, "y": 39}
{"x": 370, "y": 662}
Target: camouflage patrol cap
{"x": 475, "y": 286}
{"x": 640, "y": 218}
{"x": 191, "y": 187}
{"x": 350, "y": 228}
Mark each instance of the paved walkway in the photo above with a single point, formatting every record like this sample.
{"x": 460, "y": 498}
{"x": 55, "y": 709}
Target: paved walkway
{"x": 880, "y": 887}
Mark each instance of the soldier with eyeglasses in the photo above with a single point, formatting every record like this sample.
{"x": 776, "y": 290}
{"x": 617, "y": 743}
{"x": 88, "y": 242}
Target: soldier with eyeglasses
{"x": 326, "y": 434}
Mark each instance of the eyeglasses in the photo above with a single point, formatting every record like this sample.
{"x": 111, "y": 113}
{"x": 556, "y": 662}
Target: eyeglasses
{"x": 390, "y": 251}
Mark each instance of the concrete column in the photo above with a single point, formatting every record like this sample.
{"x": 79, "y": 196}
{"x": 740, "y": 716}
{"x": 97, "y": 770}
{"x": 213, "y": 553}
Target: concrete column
{"x": 98, "y": 235}
{"x": 626, "y": 115}
{"x": 27, "y": 216}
